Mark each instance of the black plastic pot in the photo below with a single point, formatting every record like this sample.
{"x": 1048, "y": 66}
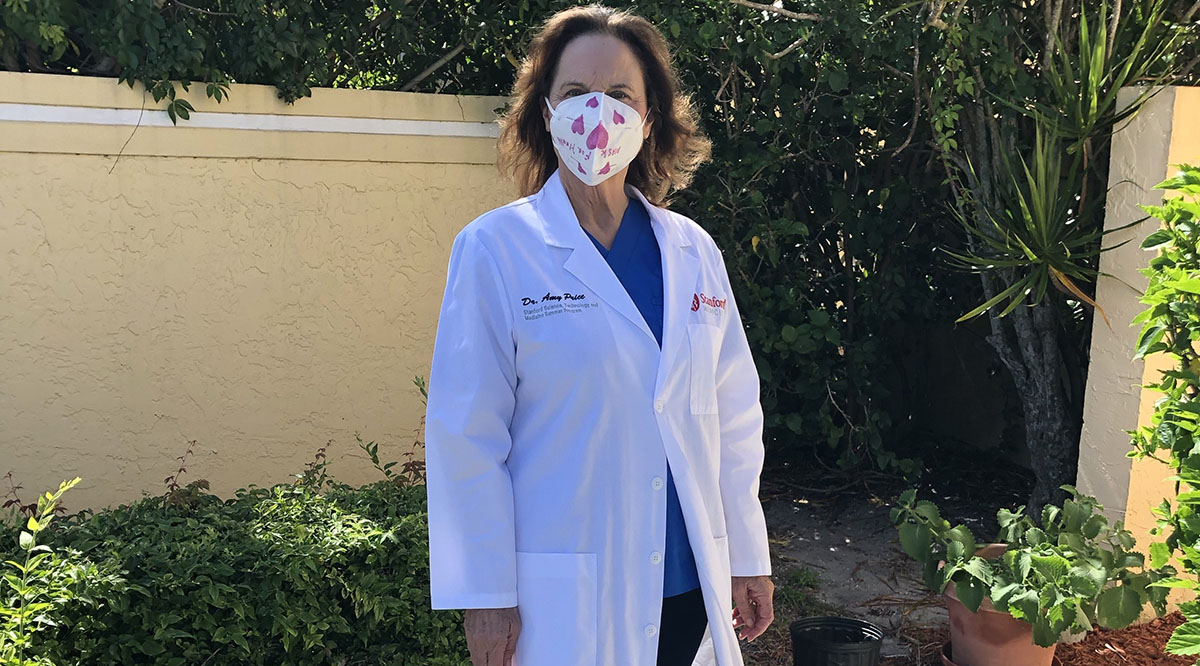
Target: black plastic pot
{"x": 835, "y": 641}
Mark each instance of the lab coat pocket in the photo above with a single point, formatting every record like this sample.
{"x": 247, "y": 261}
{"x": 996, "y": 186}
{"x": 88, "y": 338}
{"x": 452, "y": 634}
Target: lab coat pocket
{"x": 557, "y": 599}
{"x": 703, "y": 339}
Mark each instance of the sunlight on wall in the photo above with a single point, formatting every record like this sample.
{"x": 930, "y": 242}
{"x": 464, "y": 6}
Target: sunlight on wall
{"x": 262, "y": 279}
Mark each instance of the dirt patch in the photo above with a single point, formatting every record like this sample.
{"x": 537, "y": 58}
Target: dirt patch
{"x": 850, "y": 545}
{"x": 1139, "y": 645}
{"x": 839, "y": 530}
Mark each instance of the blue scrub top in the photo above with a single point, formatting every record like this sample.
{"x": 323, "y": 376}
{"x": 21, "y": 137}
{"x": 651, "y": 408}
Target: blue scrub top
{"x": 635, "y": 260}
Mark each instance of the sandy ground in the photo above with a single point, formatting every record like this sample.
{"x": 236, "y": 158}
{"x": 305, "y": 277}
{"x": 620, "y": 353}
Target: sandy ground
{"x": 852, "y": 547}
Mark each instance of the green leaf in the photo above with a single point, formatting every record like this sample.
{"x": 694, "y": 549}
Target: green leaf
{"x": 915, "y": 540}
{"x": 1024, "y": 606}
{"x": 960, "y": 534}
{"x": 1118, "y": 607}
{"x": 1176, "y": 583}
{"x": 1051, "y": 568}
{"x": 1043, "y": 633}
{"x": 979, "y": 568}
{"x": 1034, "y": 536}
{"x": 1157, "y": 239}
{"x": 1092, "y": 526}
{"x": 26, "y": 540}
{"x": 1002, "y": 594}
{"x": 1160, "y": 553}
{"x": 1185, "y": 640}
{"x": 971, "y": 592}
{"x": 1190, "y": 285}
{"x": 928, "y": 510}
{"x": 1190, "y": 609}
{"x": 1020, "y": 562}
{"x": 1086, "y": 580}
{"x": 838, "y": 80}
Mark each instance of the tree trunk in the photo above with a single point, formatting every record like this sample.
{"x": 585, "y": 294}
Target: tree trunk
{"x": 1027, "y": 341}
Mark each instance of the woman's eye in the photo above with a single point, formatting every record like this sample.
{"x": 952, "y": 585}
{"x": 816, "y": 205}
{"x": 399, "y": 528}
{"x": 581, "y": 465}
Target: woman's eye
{"x": 573, "y": 92}
{"x": 618, "y": 94}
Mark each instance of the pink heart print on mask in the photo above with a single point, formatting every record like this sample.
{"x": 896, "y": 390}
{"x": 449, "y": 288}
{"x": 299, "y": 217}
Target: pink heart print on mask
{"x": 598, "y": 138}
{"x": 595, "y": 135}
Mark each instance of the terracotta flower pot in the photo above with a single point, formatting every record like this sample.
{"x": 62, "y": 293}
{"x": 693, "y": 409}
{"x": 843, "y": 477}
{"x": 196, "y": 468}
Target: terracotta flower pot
{"x": 990, "y": 637}
{"x": 947, "y": 657}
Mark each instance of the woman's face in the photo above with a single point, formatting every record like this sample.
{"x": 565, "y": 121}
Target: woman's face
{"x": 599, "y": 63}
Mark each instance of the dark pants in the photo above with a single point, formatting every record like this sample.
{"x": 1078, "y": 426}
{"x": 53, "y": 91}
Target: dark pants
{"x": 681, "y": 628}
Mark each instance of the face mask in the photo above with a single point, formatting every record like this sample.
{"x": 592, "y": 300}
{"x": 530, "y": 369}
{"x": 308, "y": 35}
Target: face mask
{"x": 595, "y": 135}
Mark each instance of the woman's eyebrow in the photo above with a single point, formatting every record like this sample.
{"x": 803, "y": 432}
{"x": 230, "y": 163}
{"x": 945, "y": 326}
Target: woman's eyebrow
{"x": 577, "y": 84}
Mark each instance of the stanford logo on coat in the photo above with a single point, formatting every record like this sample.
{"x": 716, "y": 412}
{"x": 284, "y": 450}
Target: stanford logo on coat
{"x": 711, "y": 304}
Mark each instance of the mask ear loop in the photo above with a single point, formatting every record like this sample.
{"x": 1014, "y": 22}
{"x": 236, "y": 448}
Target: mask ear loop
{"x": 552, "y": 111}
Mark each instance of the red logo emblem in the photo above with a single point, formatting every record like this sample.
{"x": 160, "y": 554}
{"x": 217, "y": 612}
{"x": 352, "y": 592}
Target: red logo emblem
{"x": 695, "y": 302}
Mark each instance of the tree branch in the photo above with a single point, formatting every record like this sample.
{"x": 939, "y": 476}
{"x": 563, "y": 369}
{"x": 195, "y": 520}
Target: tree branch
{"x": 916, "y": 99}
{"x": 199, "y": 10}
{"x": 935, "y": 15}
{"x": 1113, "y": 22}
{"x": 433, "y": 68}
{"x": 791, "y": 47}
{"x": 1053, "y": 18}
{"x": 1187, "y": 18}
{"x": 772, "y": 9}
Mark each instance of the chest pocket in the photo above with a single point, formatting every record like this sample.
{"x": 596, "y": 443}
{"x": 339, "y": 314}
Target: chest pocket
{"x": 703, "y": 341}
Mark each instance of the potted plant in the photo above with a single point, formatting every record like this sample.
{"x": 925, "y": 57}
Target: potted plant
{"x": 1011, "y": 600}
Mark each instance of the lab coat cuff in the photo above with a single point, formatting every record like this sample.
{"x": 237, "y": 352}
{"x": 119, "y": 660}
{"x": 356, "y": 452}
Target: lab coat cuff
{"x": 750, "y": 568}
{"x": 463, "y": 601}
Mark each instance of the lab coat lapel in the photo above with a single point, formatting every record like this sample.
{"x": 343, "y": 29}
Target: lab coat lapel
{"x": 681, "y": 267}
{"x": 561, "y": 229}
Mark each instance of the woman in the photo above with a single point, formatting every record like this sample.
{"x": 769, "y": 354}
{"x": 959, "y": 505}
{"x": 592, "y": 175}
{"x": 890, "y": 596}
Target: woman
{"x": 594, "y": 434}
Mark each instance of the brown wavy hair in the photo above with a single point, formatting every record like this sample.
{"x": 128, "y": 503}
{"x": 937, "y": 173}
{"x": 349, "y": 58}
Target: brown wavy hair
{"x": 675, "y": 147}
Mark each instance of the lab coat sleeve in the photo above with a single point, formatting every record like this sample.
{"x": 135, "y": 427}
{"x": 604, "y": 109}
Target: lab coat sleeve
{"x": 742, "y": 452}
{"x": 472, "y": 544}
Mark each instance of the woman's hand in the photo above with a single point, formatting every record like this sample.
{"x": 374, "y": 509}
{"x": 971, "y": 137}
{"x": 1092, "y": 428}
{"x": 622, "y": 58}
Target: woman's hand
{"x": 492, "y": 635}
{"x": 754, "y": 607}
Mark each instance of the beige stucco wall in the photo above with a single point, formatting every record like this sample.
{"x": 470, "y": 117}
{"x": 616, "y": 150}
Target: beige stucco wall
{"x": 261, "y": 279}
{"x": 1164, "y": 133}
{"x": 1147, "y": 482}
{"x": 1138, "y": 162}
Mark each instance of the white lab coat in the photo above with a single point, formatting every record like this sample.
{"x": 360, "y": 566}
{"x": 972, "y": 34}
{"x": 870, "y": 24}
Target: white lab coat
{"x": 552, "y": 414}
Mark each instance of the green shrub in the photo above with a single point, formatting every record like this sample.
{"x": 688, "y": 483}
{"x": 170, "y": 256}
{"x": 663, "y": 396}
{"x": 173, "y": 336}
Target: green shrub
{"x": 295, "y": 574}
{"x": 1171, "y": 326}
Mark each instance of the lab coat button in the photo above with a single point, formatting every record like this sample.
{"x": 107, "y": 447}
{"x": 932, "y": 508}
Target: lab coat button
{"x": 657, "y": 483}
{"x": 651, "y": 630}
{"x": 658, "y": 405}
{"x": 655, "y": 558}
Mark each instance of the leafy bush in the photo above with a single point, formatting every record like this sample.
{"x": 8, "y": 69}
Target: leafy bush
{"x": 35, "y": 585}
{"x": 1171, "y": 326}
{"x": 1073, "y": 571}
{"x": 300, "y": 574}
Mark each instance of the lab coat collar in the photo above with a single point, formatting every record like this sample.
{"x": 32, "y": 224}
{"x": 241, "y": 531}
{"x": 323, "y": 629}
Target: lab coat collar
{"x": 563, "y": 229}
{"x": 680, "y": 264}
